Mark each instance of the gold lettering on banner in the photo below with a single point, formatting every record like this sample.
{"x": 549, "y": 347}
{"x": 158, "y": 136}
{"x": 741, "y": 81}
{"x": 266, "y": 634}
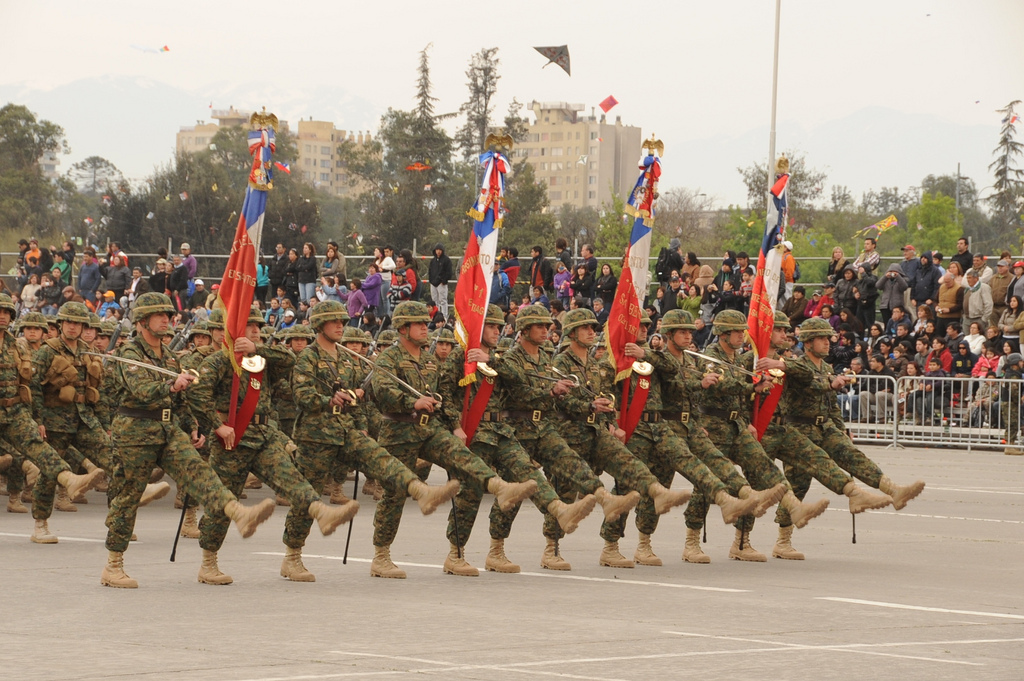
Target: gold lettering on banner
{"x": 469, "y": 264}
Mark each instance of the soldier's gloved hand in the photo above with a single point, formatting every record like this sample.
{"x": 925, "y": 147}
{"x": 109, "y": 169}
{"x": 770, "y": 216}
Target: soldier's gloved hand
{"x": 477, "y": 355}
{"x": 425, "y": 403}
{"x": 602, "y": 405}
{"x": 227, "y": 434}
{"x": 340, "y": 398}
{"x": 245, "y": 346}
{"x": 710, "y": 380}
{"x": 561, "y": 387}
{"x": 198, "y": 440}
{"x": 461, "y": 434}
{"x": 183, "y": 380}
{"x": 635, "y": 351}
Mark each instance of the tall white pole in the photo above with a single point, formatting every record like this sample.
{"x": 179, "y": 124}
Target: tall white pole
{"x": 775, "y": 97}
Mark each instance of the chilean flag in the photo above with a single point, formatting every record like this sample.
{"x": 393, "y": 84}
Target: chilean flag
{"x": 239, "y": 282}
{"x": 473, "y": 289}
{"x": 283, "y": 167}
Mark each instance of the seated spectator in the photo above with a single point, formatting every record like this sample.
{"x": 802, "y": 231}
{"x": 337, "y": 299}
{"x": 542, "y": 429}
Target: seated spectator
{"x": 49, "y": 295}
{"x": 911, "y": 391}
{"x": 108, "y": 305}
{"x": 984, "y": 405}
{"x": 538, "y": 297}
{"x": 876, "y": 392}
{"x": 849, "y": 397}
{"x": 600, "y": 311}
{"x": 929, "y": 408}
{"x": 941, "y": 353}
{"x": 30, "y": 293}
{"x": 273, "y": 313}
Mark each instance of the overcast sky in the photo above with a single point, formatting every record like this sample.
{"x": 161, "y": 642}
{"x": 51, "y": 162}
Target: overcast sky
{"x": 685, "y": 70}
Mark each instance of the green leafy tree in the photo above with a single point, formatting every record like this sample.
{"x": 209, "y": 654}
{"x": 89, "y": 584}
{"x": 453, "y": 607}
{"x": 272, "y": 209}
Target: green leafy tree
{"x": 1007, "y": 197}
{"x": 27, "y": 198}
{"x": 95, "y": 175}
{"x": 936, "y": 222}
{"x": 806, "y": 184}
{"x": 483, "y": 77}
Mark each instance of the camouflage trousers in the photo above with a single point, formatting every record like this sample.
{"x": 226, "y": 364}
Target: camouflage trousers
{"x": 718, "y": 463}
{"x": 665, "y": 453}
{"x": 132, "y": 468}
{"x": 22, "y": 434}
{"x": 568, "y": 473}
{"x": 743, "y": 449}
{"x": 803, "y": 460}
{"x": 356, "y": 450}
{"x": 287, "y": 427}
{"x": 512, "y": 462}
{"x": 271, "y": 463}
{"x": 14, "y": 475}
{"x": 441, "y": 448}
{"x": 71, "y": 445}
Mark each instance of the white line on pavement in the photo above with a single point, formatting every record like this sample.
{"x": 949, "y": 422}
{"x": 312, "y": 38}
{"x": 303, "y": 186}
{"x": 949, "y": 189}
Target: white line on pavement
{"x": 973, "y": 490}
{"x": 900, "y": 606}
{"x": 581, "y": 578}
{"x": 937, "y": 517}
{"x": 60, "y": 537}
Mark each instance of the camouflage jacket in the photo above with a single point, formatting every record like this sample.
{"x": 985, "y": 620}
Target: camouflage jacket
{"x": 734, "y": 389}
{"x": 280, "y": 384}
{"x": 65, "y": 386}
{"x": 313, "y": 376}
{"x": 681, "y": 389}
{"x": 210, "y": 397}
{"x": 148, "y": 390}
{"x": 582, "y": 419}
{"x": 525, "y": 393}
{"x": 808, "y": 391}
{"x": 391, "y": 398}
{"x": 15, "y": 376}
{"x": 191, "y": 359}
{"x": 663, "y": 366}
{"x": 452, "y": 371}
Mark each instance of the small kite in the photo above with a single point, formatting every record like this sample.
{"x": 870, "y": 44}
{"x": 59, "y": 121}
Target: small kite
{"x": 283, "y": 167}
{"x": 879, "y": 227}
{"x": 153, "y": 50}
{"x": 556, "y": 55}
{"x": 183, "y": 196}
{"x": 608, "y": 103}
{"x": 583, "y": 160}
{"x": 418, "y": 167}
{"x": 1011, "y": 119}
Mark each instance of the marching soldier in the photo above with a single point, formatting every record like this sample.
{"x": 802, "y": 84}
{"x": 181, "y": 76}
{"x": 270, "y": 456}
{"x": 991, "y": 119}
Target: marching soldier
{"x": 444, "y": 342}
{"x": 293, "y": 340}
{"x": 413, "y": 428}
{"x": 385, "y": 339}
{"x": 255, "y": 446}
{"x": 33, "y": 327}
{"x": 728, "y": 426}
{"x": 660, "y": 447}
{"x": 331, "y": 427}
{"x": 155, "y": 427}
{"x": 494, "y": 441}
{"x": 809, "y": 407}
{"x": 23, "y": 435}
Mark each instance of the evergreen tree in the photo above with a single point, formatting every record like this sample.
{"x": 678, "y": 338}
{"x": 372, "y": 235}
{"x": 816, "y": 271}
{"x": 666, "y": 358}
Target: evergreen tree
{"x": 1008, "y": 188}
{"x": 483, "y": 84}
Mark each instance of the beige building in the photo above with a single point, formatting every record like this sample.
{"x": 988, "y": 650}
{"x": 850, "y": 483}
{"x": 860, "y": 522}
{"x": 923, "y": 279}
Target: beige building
{"x": 317, "y": 142}
{"x": 49, "y": 163}
{"x": 583, "y": 159}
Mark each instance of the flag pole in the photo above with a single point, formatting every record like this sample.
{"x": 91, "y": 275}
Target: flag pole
{"x": 775, "y": 96}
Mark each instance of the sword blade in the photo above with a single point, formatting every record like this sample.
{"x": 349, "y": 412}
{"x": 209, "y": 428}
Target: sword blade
{"x": 125, "y": 360}
{"x": 718, "y": 361}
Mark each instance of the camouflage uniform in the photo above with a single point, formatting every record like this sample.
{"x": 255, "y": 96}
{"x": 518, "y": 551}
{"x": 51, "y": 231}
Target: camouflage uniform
{"x": 281, "y": 381}
{"x": 65, "y": 390}
{"x": 151, "y": 429}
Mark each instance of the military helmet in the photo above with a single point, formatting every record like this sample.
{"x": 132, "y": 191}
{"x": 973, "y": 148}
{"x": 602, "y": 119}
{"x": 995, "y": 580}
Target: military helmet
{"x": 574, "y": 319}
{"x": 150, "y": 304}
{"x": 386, "y": 338}
{"x": 266, "y": 332}
{"x": 94, "y": 321}
{"x": 294, "y": 331}
{"x": 782, "y": 320}
{"x": 504, "y": 343}
{"x": 200, "y": 328}
{"x": 645, "y": 317}
{"x": 494, "y": 315}
{"x": 530, "y": 315}
{"x": 815, "y": 327}
{"x": 729, "y": 320}
{"x": 73, "y": 312}
{"x": 368, "y": 336}
{"x": 34, "y": 320}
{"x": 445, "y": 335}
{"x": 327, "y": 311}
{"x": 678, "y": 320}
{"x": 108, "y": 328}
{"x": 6, "y": 303}
{"x": 216, "y": 320}
{"x": 352, "y": 335}
{"x": 255, "y": 317}
{"x": 410, "y": 312}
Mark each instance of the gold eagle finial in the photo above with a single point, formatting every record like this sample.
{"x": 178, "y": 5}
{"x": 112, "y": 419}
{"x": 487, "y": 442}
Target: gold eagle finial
{"x": 782, "y": 165}
{"x": 498, "y": 141}
{"x": 262, "y": 119}
{"x": 653, "y": 145}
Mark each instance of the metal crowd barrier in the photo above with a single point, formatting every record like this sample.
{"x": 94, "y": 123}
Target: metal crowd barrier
{"x": 965, "y": 413}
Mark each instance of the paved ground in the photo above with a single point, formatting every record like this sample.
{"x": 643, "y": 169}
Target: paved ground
{"x": 931, "y": 592}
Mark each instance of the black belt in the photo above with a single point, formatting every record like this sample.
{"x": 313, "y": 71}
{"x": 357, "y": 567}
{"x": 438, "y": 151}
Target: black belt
{"x": 802, "y": 420}
{"x": 728, "y": 415}
{"x": 650, "y": 416}
{"x": 257, "y": 419}
{"x": 590, "y": 418}
{"x": 678, "y": 416}
{"x": 491, "y": 417}
{"x": 535, "y": 415}
{"x": 415, "y": 417}
{"x": 162, "y": 415}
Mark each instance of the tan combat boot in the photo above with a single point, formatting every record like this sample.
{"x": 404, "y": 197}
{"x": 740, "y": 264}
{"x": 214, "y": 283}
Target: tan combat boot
{"x": 113, "y": 573}
{"x": 156, "y": 475}
{"x": 281, "y": 501}
{"x": 430, "y": 497}
{"x": 330, "y": 517}
{"x": 570, "y": 515}
{"x": 733, "y": 509}
{"x": 862, "y": 500}
{"x": 456, "y": 564}
{"x": 14, "y": 505}
{"x": 382, "y": 565}
{"x": 742, "y": 550}
{"x": 5, "y": 462}
{"x": 765, "y": 498}
{"x": 508, "y": 494}
{"x": 900, "y": 494}
{"x": 374, "y": 489}
{"x": 101, "y": 482}
{"x": 338, "y": 495}
{"x": 615, "y": 505}
{"x": 784, "y": 545}
{"x": 644, "y": 554}
{"x": 550, "y": 560}
{"x": 611, "y": 557}
{"x": 665, "y": 499}
{"x": 179, "y": 499}
{"x": 209, "y": 573}
{"x": 153, "y": 492}
{"x": 802, "y": 513}
{"x": 31, "y": 472}
{"x": 248, "y": 518}
{"x": 190, "y": 526}
{"x": 252, "y": 482}
{"x": 62, "y": 502}
{"x": 692, "y": 551}
{"x": 41, "y": 533}
{"x": 292, "y": 567}
{"x": 78, "y": 484}
{"x": 497, "y": 561}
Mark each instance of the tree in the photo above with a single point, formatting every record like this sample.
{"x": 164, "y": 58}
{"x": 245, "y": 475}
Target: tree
{"x": 806, "y": 184}
{"x": 1008, "y": 188}
{"x": 483, "y": 84}
{"x": 27, "y": 198}
{"x": 95, "y": 175}
{"x": 936, "y": 222}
